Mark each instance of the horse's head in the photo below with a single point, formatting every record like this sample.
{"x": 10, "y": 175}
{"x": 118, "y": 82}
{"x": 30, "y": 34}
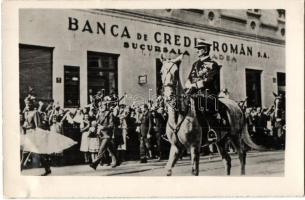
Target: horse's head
{"x": 169, "y": 68}
{"x": 169, "y": 73}
{"x": 279, "y": 105}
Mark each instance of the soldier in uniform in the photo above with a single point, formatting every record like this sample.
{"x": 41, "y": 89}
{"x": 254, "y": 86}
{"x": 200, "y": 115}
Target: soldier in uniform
{"x": 204, "y": 80}
{"x": 145, "y": 128}
{"x": 105, "y": 131}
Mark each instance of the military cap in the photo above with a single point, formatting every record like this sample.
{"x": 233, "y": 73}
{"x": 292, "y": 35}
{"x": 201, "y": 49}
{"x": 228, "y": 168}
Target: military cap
{"x": 202, "y": 43}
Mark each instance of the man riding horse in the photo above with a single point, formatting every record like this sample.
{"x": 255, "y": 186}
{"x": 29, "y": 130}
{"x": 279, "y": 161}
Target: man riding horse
{"x": 200, "y": 118}
{"x": 203, "y": 81}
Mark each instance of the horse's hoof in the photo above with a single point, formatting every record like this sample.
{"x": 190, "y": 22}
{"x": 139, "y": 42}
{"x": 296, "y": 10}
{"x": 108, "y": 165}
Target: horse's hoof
{"x": 169, "y": 173}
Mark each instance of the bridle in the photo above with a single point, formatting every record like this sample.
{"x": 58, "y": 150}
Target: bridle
{"x": 167, "y": 72}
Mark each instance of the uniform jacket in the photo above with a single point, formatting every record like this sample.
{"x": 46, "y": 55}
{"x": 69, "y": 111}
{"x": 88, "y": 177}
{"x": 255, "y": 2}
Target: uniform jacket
{"x": 105, "y": 121}
{"x": 207, "y": 71}
{"x": 157, "y": 123}
{"x": 145, "y": 121}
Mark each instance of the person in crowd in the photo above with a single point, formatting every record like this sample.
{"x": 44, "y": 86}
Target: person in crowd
{"x": 133, "y": 140}
{"x": 56, "y": 127}
{"x": 105, "y": 132}
{"x": 91, "y": 115}
{"x": 117, "y": 130}
{"x": 94, "y": 142}
{"x": 32, "y": 120}
{"x": 145, "y": 127}
{"x": 164, "y": 116}
{"x": 22, "y": 133}
{"x": 123, "y": 116}
{"x": 84, "y": 146}
{"x": 157, "y": 124}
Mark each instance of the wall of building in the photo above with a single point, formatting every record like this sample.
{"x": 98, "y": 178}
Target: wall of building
{"x": 74, "y": 32}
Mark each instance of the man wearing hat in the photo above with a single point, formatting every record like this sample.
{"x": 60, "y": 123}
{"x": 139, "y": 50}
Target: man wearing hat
{"x": 205, "y": 71}
{"x": 204, "y": 79}
{"x": 105, "y": 131}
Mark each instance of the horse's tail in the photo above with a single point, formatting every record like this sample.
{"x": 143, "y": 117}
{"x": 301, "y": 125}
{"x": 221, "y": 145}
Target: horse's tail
{"x": 245, "y": 136}
{"x": 238, "y": 123}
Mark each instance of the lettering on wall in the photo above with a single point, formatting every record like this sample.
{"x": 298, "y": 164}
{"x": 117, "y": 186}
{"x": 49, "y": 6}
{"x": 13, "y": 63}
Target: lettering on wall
{"x": 161, "y": 41}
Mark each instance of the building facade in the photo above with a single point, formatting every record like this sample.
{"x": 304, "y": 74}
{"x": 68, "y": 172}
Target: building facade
{"x": 66, "y": 55}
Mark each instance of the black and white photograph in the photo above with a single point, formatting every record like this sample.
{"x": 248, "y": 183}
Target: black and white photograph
{"x": 113, "y": 92}
{"x": 158, "y": 94}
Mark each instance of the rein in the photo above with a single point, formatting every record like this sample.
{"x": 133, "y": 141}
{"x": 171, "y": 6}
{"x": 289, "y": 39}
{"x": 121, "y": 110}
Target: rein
{"x": 178, "y": 126}
{"x": 168, "y": 71}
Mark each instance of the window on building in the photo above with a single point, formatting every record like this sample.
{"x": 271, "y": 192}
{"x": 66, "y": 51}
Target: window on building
{"x": 35, "y": 72}
{"x": 102, "y": 73}
{"x": 71, "y": 87}
{"x": 197, "y": 11}
{"x": 281, "y": 13}
{"x": 281, "y": 83}
{"x": 211, "y": 16}
{"x": 253, "y": 88}
{"x": 254, "y": 10}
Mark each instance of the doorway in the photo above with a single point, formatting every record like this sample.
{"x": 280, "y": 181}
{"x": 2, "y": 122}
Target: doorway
{"x": 253, "y": 88}
{"x": 281, "y": 83}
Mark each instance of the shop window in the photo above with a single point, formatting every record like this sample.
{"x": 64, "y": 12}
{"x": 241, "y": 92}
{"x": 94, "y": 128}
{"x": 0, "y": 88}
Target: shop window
{"x": 71, "y": 87}
{"x": 102, "y": 73}
{"x": 253, "y": 87}
{"x": 35, "y": 72}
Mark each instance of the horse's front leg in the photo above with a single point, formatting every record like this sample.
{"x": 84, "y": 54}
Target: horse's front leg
{"x": 173, "y": 157}
{"x": 195, "y": 156}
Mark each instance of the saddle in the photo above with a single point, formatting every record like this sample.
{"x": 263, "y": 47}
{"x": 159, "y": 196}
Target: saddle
{"x": 212, "y": 116}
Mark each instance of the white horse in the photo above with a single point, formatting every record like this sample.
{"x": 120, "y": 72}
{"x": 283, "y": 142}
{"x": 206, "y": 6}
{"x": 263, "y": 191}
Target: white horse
{"x": 183, "y": 129}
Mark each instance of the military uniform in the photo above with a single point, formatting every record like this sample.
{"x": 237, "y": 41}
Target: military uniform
{"x": 204, "y": 80}
{"x": 105, "y": 130}
{"x": 145, "y": 128}
{"x": 205, "y": 75}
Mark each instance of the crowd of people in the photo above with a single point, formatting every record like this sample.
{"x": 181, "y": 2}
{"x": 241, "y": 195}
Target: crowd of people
{"x": 108, "y": 132}
{"x": 264, "y": 128}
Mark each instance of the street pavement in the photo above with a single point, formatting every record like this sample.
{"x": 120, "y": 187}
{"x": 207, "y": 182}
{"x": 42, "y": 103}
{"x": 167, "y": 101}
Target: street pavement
{"x": 268, "y": 163}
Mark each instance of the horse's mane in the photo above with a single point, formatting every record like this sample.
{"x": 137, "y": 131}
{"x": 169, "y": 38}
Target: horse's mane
{"x": 183, "y": 98}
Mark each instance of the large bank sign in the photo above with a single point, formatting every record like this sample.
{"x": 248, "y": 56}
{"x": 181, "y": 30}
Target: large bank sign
{"x": 160, "y": 41}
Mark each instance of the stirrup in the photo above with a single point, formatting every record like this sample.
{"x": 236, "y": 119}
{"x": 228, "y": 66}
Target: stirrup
{"x": 212, "y": 135}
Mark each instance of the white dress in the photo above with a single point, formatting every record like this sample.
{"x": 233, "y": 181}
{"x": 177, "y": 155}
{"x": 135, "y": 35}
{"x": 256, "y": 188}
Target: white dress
{"x": 45, "y": 142}
{"x": 84, "y": 145}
